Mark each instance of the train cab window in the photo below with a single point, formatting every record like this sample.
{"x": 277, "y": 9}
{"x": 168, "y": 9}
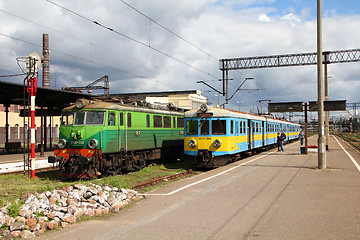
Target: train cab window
{"x": 204, "y": 127}
{"x": 129, "y": 119}
{"x": 95, "y": 118}
{"x": 121, "y": 119}
{"x": 67, "y": 118}
{"x": 79, "y": 118}
{"x": 180, "y": 122}
{"x": 157, "y": 121}
{"x": 111, "y": 120}
{"x": 218, "y": 127}
{"x": 147, "y": 120}
{"x": 167, "y": 122}
{"x": 191, "y": 127}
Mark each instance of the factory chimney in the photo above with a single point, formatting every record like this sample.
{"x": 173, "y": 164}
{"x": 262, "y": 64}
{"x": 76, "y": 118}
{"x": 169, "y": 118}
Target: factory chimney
{"x": 46, "y": 62}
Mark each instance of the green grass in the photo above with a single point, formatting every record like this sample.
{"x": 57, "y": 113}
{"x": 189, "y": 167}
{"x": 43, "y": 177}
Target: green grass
{"x": 13, "y": 186}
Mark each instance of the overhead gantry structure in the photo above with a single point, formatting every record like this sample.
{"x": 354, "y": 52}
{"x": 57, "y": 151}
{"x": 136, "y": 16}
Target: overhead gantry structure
{"x": 92, "y": 86}
{"x": 290, "y": 60}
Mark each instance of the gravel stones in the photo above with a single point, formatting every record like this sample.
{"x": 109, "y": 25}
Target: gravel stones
{"x": 61, "y": 207}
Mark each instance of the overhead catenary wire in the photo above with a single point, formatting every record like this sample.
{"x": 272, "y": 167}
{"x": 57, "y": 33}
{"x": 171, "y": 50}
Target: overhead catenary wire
{"x": 86, "y": 60}
{"x": 167, "y": 29}
{"x": 91, "y": 44}
{"x": 76, "y": 57}
{"x": 13, "y": 75}
{"x": 130, "y": 38}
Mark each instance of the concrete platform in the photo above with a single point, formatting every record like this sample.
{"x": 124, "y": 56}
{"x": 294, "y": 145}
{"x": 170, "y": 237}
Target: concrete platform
{"x": 272, "y": 195}
{"x": 15, "y": 162}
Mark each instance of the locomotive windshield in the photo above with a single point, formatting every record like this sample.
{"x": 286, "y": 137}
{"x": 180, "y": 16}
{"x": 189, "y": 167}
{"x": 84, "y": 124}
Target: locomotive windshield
{"x": 83, "y": 118}
{"x": 191, "y": 127}
{"x": 67, "y": 118}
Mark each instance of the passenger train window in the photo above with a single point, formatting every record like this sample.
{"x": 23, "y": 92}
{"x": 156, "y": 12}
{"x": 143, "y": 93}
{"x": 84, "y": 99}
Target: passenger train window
{"x": 174, "y": 122}
{"x": 180, "y": 122}
{"x": 218, "y": 127}
{"x": 157, "y": 121}
{"x": 129, "y": 119}
{"x": 232, "y": 127}
{"x": 147, "y": 120}
{"x": 204, "y": 127}
{"x": 121, "y": 119}
{"x": 167, "y": 122}
{"x": 191, "y": 127}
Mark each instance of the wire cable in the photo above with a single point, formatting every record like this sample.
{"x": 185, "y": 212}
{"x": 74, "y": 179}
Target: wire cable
{"x": 13, "y": 75}
{"x": 172, "y": 32}
{"x": 76, "y": 57}
{"x": 130, "y": 38}
{"x": 89, "y": 61}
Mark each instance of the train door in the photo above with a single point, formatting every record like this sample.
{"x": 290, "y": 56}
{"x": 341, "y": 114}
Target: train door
{"x": 111, "y": 135}
{"x": 251, "y": 125}
{"x": 263, "y": 132}
{"x": 122, "y": 134}
{"x": 249, "y": 133}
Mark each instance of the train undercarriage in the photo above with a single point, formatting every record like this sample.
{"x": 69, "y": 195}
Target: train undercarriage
{"x": 75, "y": 164}
{"x": 206, "y": 160}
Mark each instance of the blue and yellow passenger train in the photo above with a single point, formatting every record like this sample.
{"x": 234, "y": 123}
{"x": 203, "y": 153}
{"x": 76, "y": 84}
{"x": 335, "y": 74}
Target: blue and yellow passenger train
{"x": 216, "y": 136}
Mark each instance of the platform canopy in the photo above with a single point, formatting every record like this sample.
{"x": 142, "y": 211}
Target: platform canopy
{"x": 13, "y": 93}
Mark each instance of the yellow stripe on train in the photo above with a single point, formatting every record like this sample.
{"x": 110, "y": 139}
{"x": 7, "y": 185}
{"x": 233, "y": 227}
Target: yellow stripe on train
{"x": 227, "y": 143}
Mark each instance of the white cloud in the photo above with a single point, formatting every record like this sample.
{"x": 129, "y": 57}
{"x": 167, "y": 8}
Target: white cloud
{"x": 264, "y": 18}
{"x": 292, "y": 18}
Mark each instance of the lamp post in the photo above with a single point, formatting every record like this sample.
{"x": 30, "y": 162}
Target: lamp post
{"x": 326, "y": 112}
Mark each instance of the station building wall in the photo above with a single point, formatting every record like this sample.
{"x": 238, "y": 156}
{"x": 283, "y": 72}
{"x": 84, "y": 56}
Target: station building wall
{"x": 16, "y": 126}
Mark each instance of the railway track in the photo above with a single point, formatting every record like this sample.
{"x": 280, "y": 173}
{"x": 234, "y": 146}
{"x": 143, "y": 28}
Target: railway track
{"x": 353, "y": 143}
{"x": 159, "y": 180}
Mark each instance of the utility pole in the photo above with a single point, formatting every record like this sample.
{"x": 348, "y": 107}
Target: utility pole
{"x": 320, "y": 103}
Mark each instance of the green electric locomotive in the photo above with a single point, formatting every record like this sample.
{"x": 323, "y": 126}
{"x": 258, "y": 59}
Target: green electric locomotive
{"x": 100, "y": 137}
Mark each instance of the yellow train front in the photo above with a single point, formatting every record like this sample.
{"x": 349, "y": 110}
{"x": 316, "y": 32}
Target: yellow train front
{"x": 216, "y": 136}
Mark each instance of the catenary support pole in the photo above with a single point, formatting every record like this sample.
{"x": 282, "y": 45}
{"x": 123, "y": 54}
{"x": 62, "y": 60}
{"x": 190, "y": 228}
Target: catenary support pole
{"x": 321, "y": 129}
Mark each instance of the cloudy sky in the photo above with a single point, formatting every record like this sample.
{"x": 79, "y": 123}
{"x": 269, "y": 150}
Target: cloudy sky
{"x": 163, "y": 45}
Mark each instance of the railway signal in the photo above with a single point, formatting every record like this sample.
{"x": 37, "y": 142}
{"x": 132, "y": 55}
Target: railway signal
{"x": 32, "y": 65}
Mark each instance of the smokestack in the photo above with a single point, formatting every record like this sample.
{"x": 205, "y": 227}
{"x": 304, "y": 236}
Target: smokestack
{"x": 46, "y": 62}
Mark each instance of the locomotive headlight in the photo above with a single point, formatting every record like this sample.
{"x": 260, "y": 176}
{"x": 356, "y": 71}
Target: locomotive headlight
{"x": 93, "y": 144}
{"x": 80, "y": 103}
{"x": 217, "y": 143}
{"x": 192, "y": 143}
{"x": 62, "y": 143}
{"x": 203, "y": 107}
